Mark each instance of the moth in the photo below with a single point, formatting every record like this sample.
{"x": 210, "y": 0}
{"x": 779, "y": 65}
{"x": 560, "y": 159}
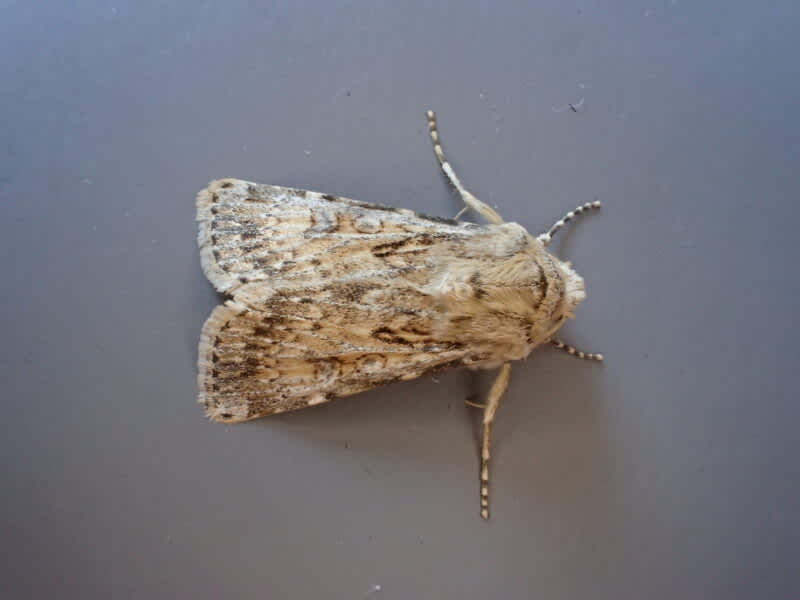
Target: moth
{"x": 331, "y": 296}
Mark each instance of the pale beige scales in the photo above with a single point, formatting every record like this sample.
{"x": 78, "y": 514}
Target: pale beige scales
{"x": 331, "y": 297}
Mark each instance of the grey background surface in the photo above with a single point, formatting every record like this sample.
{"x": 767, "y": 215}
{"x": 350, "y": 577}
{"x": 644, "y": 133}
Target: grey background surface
{"x": 668, "y": 472}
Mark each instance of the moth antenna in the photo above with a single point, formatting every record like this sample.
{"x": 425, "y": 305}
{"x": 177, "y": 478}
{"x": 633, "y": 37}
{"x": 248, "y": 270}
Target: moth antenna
{"x": 547, "y": 237}
{"x": 573, "y": 351}
{"x": 495, "y": 394}
{"x": 483, "y": 209}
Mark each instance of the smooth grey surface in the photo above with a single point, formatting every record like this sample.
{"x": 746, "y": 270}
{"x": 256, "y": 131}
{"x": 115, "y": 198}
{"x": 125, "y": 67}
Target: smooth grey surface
{"x": 669, "y": 472}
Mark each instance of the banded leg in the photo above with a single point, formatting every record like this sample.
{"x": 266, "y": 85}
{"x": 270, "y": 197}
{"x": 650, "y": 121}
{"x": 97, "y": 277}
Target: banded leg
{"x": 495, "y": 394}
{"x": 483, "y": 209}
{"x": 572, "y": 351}
{"x": 547, "y": 237}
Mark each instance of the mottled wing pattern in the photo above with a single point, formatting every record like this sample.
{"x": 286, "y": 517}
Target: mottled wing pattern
{"x": 254, "y": 363}
{"x": 330, "y": 297}
{"x": 252, "y": 232}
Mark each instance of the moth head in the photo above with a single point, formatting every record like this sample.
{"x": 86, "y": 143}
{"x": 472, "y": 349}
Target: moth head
{"x": 558, "y": 291}
{"x": 574, "y": 290}
{"x": 572, "y": 294}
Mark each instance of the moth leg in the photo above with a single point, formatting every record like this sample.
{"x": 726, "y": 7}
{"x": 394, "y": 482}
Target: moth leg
{"x": 469, "y": 402}
{"x": 573, "y": 351}
{"x": 495, "y": 394}
{"x": 547, "y": 237}
{"x": 483, "y": 209}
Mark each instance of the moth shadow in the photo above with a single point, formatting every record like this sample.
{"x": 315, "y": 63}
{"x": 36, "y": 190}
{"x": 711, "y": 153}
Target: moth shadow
{"x": 552, "y": 444}
{"x": 419, "y": 422}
